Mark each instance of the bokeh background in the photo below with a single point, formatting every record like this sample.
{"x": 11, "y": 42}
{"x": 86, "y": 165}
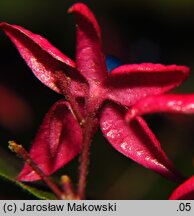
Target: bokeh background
{"x": 133, "y": 30}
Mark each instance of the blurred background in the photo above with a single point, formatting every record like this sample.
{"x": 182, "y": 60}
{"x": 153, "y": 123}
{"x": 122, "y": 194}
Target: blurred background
{"x": 134, "y": 31}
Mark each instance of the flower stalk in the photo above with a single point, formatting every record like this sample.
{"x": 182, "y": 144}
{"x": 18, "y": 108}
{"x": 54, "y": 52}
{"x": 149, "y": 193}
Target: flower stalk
{"x": 21, "y": 152}
{"x": 89, "y": 128}
{"x": 64, "y": 84}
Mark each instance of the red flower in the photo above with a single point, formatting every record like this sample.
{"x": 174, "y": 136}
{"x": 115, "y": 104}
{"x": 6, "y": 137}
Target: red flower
{"x": 171, "y": 103}
{"x": 185, "y": 191}
{"x": 100, "y": 96}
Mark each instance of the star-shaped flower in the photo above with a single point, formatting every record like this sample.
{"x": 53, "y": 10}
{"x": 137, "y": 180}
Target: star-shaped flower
{"x": 93, "y": 95}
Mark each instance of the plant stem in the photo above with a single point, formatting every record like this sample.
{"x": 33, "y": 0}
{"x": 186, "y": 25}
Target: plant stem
{"x": 89, "y": 128}
{"x": 88, "y": 122}
{"x": 63, "y": 83}
{"x": 21, "y": 152}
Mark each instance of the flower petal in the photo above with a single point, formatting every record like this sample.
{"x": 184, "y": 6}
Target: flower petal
{"x": 58, "y": 141}
{"x": 44, "y": 59}
{"x": 89, "y": 56}
{"x": 185, "y": 191}
{"x": 136, "y": 141}
{"x": 175, "y": 103}
{"x": 130, "y": 83}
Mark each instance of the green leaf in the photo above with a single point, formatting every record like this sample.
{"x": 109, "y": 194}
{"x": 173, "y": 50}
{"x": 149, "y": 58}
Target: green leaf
{"x": 9, "y": 169}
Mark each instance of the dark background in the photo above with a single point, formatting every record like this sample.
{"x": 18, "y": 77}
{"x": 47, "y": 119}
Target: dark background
{"x": 134, "y": 31}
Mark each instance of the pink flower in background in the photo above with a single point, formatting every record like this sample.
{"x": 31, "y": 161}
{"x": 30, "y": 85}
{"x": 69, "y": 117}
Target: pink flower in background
{"x": 102, "y": 97}
{"x": 15, "y": 113}
{"x": 185, "y": 191}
